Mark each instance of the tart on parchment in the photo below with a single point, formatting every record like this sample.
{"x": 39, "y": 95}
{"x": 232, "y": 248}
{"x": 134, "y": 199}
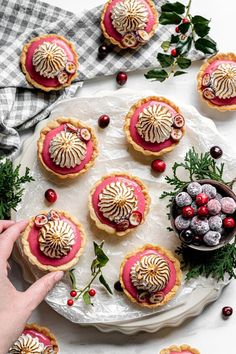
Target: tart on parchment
{"x": 118, "y": 203}
{"x": 150, "y": 276}
{"x": 35, "y": 339}
{"x": 154, "y": 126}
{"x": 53, "y": 240}
{"x": 67, "y": 148}
{"x": 129, "y": 23}
{"x": 182, "y": 349}
{"x": 217, "y": 82}
{"x": 49, "y": 62}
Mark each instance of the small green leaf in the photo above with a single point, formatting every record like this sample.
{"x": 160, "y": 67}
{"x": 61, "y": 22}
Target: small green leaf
{"x": 174, "y": 39}
{"x": 178, "y": 73}
{"x": 169, "y": 18}
{"x": 201, "y": 29}
{"x": 72, "y": 278}
{"x": 156, "y": 74}
{"x": 184, "y": 47}
{"x": 165, "y": 45}
{"x": 184, "y": 27}
{"x": 200, "y": 19}
{"x": 207, "y": 46}
{"x": 104, "y": 283}
{"x": 173, "y": 7}
{"x": 87, "y": 298}
{"x": 101, "y": 256}
{"x": 183, "y": 63}
{"x": 165, "y": 60}
{"x": 94, "y": 265}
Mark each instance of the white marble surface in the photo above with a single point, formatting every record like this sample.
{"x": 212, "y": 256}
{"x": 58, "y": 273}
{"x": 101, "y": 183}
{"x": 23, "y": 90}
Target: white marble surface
{"x": 208, "y": 332}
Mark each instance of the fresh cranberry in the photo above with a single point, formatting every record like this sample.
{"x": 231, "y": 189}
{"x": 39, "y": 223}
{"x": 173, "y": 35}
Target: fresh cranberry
{"x": 227, "y": 311}
{"x": 173, "y": 52}
{"x": 103, "y": 50}
{"x": 186, "y": 236}
{"x": 122, "y": 225}
{"x": 118, "y": 286}
{"x": 216, "y": 152}
{"x": 73, "y": 293}
{"x": 185, "y": 20}
{"x": 103, "y": 121}
{"x": 177, "y": 29}
{"x": 188, "y": 212}
{"x": 92, "y": 292}
{"x": 121, "y": 78}
{"x": 70, "y": 302}
{"x": 158, "y": 165}
{"x": 202, "y": 199}
{"x": 202, "y": 211}
{"x": 228, "y": 223}
{"x": 50, "y": 195}
{"x": 197, "y": 240}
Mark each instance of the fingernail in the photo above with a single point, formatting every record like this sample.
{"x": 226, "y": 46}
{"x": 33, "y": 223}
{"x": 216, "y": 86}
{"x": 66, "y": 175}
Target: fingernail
{"x": 58, "y": 275}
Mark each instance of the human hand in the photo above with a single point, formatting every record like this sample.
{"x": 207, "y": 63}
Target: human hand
{"x": 15, "y": 306}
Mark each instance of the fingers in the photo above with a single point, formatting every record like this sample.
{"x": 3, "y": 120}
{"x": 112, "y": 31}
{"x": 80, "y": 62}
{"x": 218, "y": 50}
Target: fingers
{"x": 38, "y": 291}
{"x": 4, "y": 224}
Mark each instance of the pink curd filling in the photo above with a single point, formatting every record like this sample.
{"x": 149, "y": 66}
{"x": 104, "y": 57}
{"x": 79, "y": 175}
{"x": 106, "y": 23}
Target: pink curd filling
{"x": 56, "y": 168}
{"x": 155, "y": 147}
{"x": 53, "y": 82}
{"x": 42, "y": 338}
{"x": 132, "y": 260}
{"x": 137, "y": 189}
{"x": 112, "y": 32}
{"x": 42, "y": 258}
{"x": 220, "y": 101}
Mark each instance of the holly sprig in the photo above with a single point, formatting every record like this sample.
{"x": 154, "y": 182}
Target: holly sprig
{"x": 97, "y": 264}
{"x": 191, "y": 32}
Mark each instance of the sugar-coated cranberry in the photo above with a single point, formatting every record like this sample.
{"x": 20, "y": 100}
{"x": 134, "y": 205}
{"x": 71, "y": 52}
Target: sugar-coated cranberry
{"x": 227, "y": 311}
{"x": 50, "y": 195}
{"x": 92, "y": 292}
{"x": 181, "y": 223}
{"x": 122, "y": 225}
{"x": 212, "y": 238}
{"x": 70, "y": 302}
{"x": 215, "y": 223}
{"x": 214, "y": 207}
{"x": 103, "y": 121}
{"x": 118, "y": 287}
{"x": 121, "y": 78}
{"x": 209, "y": 190}
{"x": 174, "y": 52}
{"x": 202, "y": 211}
{"x": 199, "y": 226}
{"x": 183, "y": 199}
{"x": 158, "y": 165}
{"x": 188, "y": 212}
{"x": 202, "y": 199}
{"x": 73, "y": 293}
{"x": 216, "y": 152}
{"x": 186, "y": 236}
{"x": 194, "y": 188}
{"x": 229, "y": 223}
{"x": 228, "y": 205}
{"x": 103, "y": 50}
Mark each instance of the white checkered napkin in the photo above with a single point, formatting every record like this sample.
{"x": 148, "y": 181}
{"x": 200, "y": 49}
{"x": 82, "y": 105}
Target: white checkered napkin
{"x": 22, "y": 106}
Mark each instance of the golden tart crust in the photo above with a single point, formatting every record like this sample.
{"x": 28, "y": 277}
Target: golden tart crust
{"x": 179, "y": 349}
{"x": 34, "y": 260}
{"x": 170, "y": 256}
{"x": 220, "y": 56}
{"x": 130, "y": 115}
{"x": 119, "y": 44}
{"x": 56, "y": 123}
{"x": 45, "y": 331}
{"x": 105, "y": 227}
{"x": 35, "y": 83}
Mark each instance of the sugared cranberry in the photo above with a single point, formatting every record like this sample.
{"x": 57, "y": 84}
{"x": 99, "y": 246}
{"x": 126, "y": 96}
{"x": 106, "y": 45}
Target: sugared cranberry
{"x": 92, "y": 292}
{"x": 188, "y": 212}
{"x": 173, "y": 52}
{"x": 103, "y": 121}
{"x": 227, "y": 311}
{"x": 216, "y": 152}
{"x": 228, "y": 223}
{"x": 70, "y": 302}
{"x": 202, "y": 211}
{"x": 185, "y": 20}
{"x": 103, "y": 50}
{"x": 50, "y": 195}
{"x": 158, "y": 165}
{"x": 73, "y": 293}
{"x": 202, "y": 199}
{"x": 121, "y": 78}
{"x": 122, "y": 225}
{"x": 177, "y": 29}
{"x": 117, "y": 286}
{"x": 186, "y": 236}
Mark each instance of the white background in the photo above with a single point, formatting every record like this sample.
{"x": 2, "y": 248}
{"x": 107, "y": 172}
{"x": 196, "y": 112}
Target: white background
{"x": 208, "y": 332}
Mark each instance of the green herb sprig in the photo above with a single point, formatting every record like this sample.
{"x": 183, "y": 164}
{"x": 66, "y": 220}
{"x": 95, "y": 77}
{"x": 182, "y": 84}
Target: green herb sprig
{"x": 11, "y": 187}
{"x": 97, "y": 264}
{"x": 191, "y": 32}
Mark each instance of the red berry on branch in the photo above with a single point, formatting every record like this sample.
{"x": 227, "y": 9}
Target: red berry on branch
{"x": 173, "y": 52}
{"x": 92, "y": 292}
{"x": 188, "y": 212}
{"x": 73, "y": 293}
{"x": 177, "y": 29}
{"x": 227, "y": 311}
{"x": 121, "y": 78}
{"x": 50, "y": 195}
{"x": 202, "y": 199}
{"x": 158, "y": 165}
{"x": 185, "y": 20}
{"x": 70, "y": 302}
{"x": 103, "y": 121}
{"x": 228, "y": 223}
{"x": 202, "y": 211}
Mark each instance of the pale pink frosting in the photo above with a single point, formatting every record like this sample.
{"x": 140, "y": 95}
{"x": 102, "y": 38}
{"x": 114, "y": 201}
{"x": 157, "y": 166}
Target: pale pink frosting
{"x": 155, "y": 147}
{"x": 112, "y": 32}
{"x": 220, "y": 101}
{"x": 133, "y": 259}
{"x": 182, "y": 352}
{"x": 42, "y": 258}
{"x": 42, "y": 338}
{"x": 63, "y": 170}
{"x": 129, "y": 182}
{"x": 53, "y": 82}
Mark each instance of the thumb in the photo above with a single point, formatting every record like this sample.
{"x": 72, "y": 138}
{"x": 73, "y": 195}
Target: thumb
{"x": 38, "y": 291}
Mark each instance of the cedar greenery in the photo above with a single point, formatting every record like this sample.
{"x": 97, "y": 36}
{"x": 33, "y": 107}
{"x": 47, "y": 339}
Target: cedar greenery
{"x": 193, "y": 33}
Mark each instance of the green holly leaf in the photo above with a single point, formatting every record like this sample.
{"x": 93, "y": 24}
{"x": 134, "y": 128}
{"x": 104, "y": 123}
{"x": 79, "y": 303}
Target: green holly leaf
{"x": 184, "y": 27}
{"x": 101, "y": 256}
{"x": 173, "y": 7}
{"x": 207, "y": 46}
{"x": 174, "y": 39}
{"x": 94, "y": 266}
{"x": 165, "y": 60}
{"x": 105, "y": 284}
{"x": 201, "y": 29}
{"x": 72, "y": 278}
{"x": 185, "y": 46}
{"x": 178, "y": 73}
{"x": 199, "y": 19}
{"x": 87, "y": 298}
{"x": 165, "y": 45}
{"x": 183, "y": 63}
{"x": 156, "y": 74}
{"x": 169, "y": 18}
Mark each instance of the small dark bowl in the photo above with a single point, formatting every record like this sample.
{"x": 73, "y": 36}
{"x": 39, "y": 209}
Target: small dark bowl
{"x": 225, "y": 191}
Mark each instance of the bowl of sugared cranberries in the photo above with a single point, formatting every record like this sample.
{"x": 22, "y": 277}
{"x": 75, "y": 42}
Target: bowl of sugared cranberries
{"x": 203, "y": 214}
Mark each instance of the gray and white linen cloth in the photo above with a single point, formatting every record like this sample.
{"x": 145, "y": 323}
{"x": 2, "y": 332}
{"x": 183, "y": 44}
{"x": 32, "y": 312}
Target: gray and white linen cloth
{"x": 22, "y": 106}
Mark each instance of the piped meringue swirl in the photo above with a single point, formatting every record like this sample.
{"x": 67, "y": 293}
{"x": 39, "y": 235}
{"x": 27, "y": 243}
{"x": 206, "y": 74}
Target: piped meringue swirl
{"x": 129, "y": 15}
{"x": 151, "y": 273}
{"x": 223, "y": 80}
{"x": 26, "y": 344}
{"x": 56, "y": 238}
{"x": 155, "y": 124}
{"x": 117, "y": 201}
{"x": 49, "y": 59}
{"x": 67, "y": 149}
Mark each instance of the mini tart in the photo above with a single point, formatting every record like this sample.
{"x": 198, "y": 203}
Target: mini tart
{"x": 182, "y": 349}
{"x": 154, "y": 126}
{"x": 49, "y": 62}
{"x": 129, "y": 31}
{"x": 150, "y": 276}
{"x": 35, "y": 339}
{"x": 67, "y": 148}
{"x": 53, "y": 240}
{"x": 119, "y": 203}
{"x": 217, "y": 82}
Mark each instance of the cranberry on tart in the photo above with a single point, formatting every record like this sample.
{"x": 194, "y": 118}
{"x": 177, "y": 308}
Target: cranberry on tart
{"x": 150, "y": 276}
{"x": 182, "y": 349}
{"x": 154, "y": 126}
{"x": 53, "y": 240}
{"x": 129, "y": 23}
{"x": 67, "y": 148}
{"x": 35, "y": 339}
{"x": 119, "y": 203}
{"x": 217, "y": 82}
{"x": 49, "y": 62}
